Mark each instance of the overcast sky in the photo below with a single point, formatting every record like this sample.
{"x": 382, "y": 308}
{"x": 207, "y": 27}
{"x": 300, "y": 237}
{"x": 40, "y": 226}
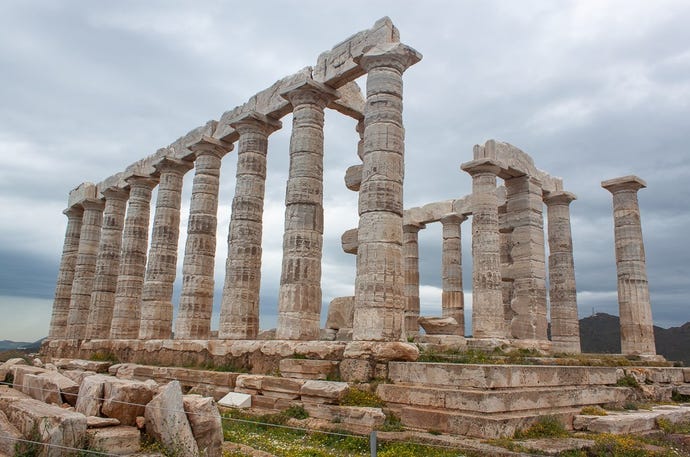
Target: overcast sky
{"x": 592, "y": 90}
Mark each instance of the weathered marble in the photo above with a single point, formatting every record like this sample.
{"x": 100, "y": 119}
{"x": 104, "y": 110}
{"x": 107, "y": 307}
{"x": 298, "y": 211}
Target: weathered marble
{"x": 156, "y": 306}
{"x": 239, "y": 314}
{"x": 637, "y": 331}
{"x": 411, "y": 265}
{"x": 452, "y": 297}
{"x": 130, "y": 279}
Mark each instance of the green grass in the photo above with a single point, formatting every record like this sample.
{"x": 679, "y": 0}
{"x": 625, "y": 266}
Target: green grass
{"x": 359, "y": 397}
{"x": 104, "y": 356}
{"x": 593, "y": 411}
{"x": 627, "y": 381}
{"x": 545, "y": 427}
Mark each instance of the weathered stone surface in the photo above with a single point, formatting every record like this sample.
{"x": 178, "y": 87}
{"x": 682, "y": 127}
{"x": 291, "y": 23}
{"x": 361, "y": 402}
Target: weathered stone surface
{"x": 355, "y": 415}
{"x": 50, "y": 387}
{"x": 124, "y": 399}
{"x": 119, "y": 440}
{"x": 236, "y": 400}
{"x": 6, "y": 367}
{"x": 631, "y": 422}
{"x": 452, "y": 297}
{"x": 356, "y": 370}
{"x": 308, "y": 369}
{"x": 78, "y": 364}
{"x": 439, "y": 325}
{"x": 340, "y": 313}
{"x": 77, "y": 375}
{"x": 206, "y": 424}
{"x": 686, "y": 374}
{"x": 323, "y": 391}
{"x": 349, "y": 241}
{"x": 18, "y": 373}
{"x": 394, "y": 350}
{"x": 100, "y": 422}
{"x": 90, "y": 396}
{"x": 411, "y": 266}
{"x": 8, "y": 435}
{"x": 167, "y": 422}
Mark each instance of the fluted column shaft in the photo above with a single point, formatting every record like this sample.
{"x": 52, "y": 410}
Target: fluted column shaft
{"x": 130, "y": 278}
{"x": 196, "y": 301}
{"x": 63, "y": 288}
{"x": 299, "y": 299}
{"x": 379, "y": 284}
{"x": 565, "y": 327}
{"x": 411, "y": 266}
{"x": 107, "y": 264}
{"x": 156, "y": 306}
{"x": 85, "y": 268}
{"x": 637, "y": 326}
{"x": 452, "y": 297}
{"x": 239, "y": 315}
{"x": 487, "y": 297}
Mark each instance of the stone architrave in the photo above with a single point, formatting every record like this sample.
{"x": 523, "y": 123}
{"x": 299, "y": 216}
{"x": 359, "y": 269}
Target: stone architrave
{"x": 85, "y": 268}
{"x": 130, "y": 279}
{"x": 196, "y": 301}
{"x": 565, "y": 327}
{"x": 299, "y": 299}
{"x": 452, "y": 297}
{"x": 524, "y": 215}
{"x": 487, "y": 297}
{"x": 379, "y": 284}
{"x": 156, "y": 306}
{"x": 63, "y": 289}
{"x": 637, "y": 326}
{"x": 107, "y": 264}
{"x": 411, "y": 265}
{"x": 239, "y": 314}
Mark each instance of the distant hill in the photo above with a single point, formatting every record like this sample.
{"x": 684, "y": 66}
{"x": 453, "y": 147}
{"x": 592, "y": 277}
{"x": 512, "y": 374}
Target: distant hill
{"x": 7, "y": 345}
{"x": 601, "y": 334}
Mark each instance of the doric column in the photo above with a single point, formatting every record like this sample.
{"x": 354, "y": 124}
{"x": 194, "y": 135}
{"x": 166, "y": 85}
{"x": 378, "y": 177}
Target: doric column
{"x": 565, "y": 327}
{"x": 379, "y": 284}
{"x": 637, "y": 331}
{"x": 524, "y": 216}
{"x": 156, "y": 306}
{"x": 85, "y": 268}
{"x": 487, "y": 297}
{"x": 299, "y": 299}
{"x": 411, "y": 266}
{"x": 130, "y": 278}
{"x": 196, "y": 301}
{"x": 63, "y": 289}
{"x": 107, "y": 264}
{"x": 239, "y": 314}
{"x": 452, "y": 297}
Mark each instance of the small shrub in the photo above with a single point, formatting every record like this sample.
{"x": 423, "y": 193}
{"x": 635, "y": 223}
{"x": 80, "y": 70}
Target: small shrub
{"x": 627, "y": 381}
{"x": 392, "y": 424}
{"x": 434, "y": 432}
{"x": 545, "y": 427}
{"x": 679, "y": 398}
{"x": 359, "y": 397}
{"x": 104, "y": 356}
{"x": 299, "y": 356}
{"x": 296, "y": 412}
{"x": 593, "y": 411}
{"x": 670, "y": 427}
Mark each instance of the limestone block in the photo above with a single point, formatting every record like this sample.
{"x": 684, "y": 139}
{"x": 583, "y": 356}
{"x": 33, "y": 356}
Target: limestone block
{"x": 307, "y": 369}
{"x": 86, "y": 365}
{"x": 349, "y": 241}
{"x": 439, "y": 325}
{"x": 18, "y": 373}
{"x": 323, "y": 391}
{"x": 100, "y": 422}
{"x": 124, "y": 399}
{"x": 6, "y": 367}
{"x": 215, "y": 392}
{"x": 167, "y": 422}
{"x": 353, "y": 177}
{"x": 50, "y": 387}
{"x": 236, "y": 400}
{"x": 340, "y": 313}
{"x": 356, "y": 370}
{"x": 686, "y": 374}
{"x": 206, "y": 424}
{"x": 56, "y": 426}
{"x": 77, "y": 375}
{"x": 90, "y": 396}
{"x": 119, "y": 440}
{"x": 382, "y": 351}
{"x": 354, "y": 415}
{"x": 8, "y": 435}
{"x": 270, "y": 385}
{"x": 82, "y": 192}
{"x": 249, "y": 381}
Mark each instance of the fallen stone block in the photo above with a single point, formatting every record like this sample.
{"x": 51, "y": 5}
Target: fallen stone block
{"x": 6, "y": 367}
{"x": 8, "y": 435}
{"x": 86, "y": 365}
{"x": 100, "y": 422}
{"x": 125, "y": 399}
{"x": 323, "y": 391}
{"x": 119, "y": 440}
{"x": 18, "y": 373}
{"x": 236, "y": 400}
{"x": 206, "y": 424}
{"x": 90, "y": 397}
{"x": 352, "y": 415}
{"x": 77, "y": 375}
{"x": 167, "y": 422}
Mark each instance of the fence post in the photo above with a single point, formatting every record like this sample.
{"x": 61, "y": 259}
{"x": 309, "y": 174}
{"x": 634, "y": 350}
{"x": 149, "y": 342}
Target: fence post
{"x": 372, "y": 443}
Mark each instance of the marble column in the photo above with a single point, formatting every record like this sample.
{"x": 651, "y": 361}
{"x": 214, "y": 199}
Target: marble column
{"x": 637, "y": 327}
{"x": 85, "y": 268}
{"x": 299, "y": 299}
{"x": 487, "y": 296}
{"x": 565, "y": 326}
{"x": 524, "y": 216}
{"x": 452, "y": 297}
{"x": 130, "y": 278}
{"x": 239, "y": 314}
{"x": 63, "y": 289}
{"x": 156, "y": 307}
{"x": 379, "y": 284}
{"x": 107, "y": 264}
{"x": 196, "y": 301}
{"x": 411, "y": 265}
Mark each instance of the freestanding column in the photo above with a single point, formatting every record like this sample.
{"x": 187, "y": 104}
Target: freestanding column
{"x": 85, "y": 268}
{"x": 411, "y": 265}
{"x": 299, "y": 300}
{"x": 156, "y": 306}
{"x": 637, "y": 331}
{"x": 452, "y": 297}
{"x": 107, "y": 264}
{"x": 239, "y": 314}
{"x": 487, "y": 297}
{"x": 524, "y": 215}
{"x": 130, "y": 278}
{"x": 63, "y": 289}
{"x": 565, "y": 327}
{"x": 196, "y": 301}
{"x": 379, "y": 294}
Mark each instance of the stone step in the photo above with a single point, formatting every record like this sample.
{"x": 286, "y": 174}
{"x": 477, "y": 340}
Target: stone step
{"x": 498, "y": 376}
{"x": 632, "y": 421}
{"x": 497, "y": 401}
{"x": 478, "y": 425}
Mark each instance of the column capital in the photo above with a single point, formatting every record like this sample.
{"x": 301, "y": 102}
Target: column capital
{"x": 559, "y": 197}
{"x": 254, "y": 121}
{"x": 481, "y": 166}
{"x": 93, "y": 203}
{"x": 73, "y": 212}
{"x": 174, "y": 165}
{"x": 115, "y": 193}
{"x": 142, "y": 181}
{"x": 624, "y": 183}
{"x": 208, "y": 145}
{"x": 393, "y": 55}
{"x": 308, "y": 91}
{"x": 413, "y": 227}
{"x": 453, "y": 218}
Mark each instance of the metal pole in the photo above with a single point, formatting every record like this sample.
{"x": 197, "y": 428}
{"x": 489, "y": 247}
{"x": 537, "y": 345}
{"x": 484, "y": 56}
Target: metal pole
{"x": 372, "y": 443}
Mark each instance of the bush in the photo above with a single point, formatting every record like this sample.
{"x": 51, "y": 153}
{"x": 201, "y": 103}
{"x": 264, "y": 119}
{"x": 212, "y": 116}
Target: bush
{"x": 359, "y": 397}
{"x": 593, "y": 411}
{"x": 545, "y": 427}
{"x": 627, "y": 381}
